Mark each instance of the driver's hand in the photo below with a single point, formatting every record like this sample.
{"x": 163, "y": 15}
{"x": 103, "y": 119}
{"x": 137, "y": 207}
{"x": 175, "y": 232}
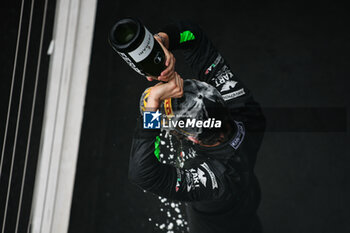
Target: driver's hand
{"x": 170, "y": 60}
{"x": 162, "y": 91}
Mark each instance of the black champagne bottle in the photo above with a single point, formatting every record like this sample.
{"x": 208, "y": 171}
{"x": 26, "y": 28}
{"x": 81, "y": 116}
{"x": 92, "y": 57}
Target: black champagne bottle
{"x": 136, "y": 45}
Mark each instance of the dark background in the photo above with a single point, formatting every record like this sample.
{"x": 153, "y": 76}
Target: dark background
{"x": 290, "y": 54}
{"x": 21, "y": 149}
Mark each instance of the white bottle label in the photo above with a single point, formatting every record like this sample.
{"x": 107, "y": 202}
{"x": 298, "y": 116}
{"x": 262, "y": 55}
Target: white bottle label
{"x": 144, "y": 49}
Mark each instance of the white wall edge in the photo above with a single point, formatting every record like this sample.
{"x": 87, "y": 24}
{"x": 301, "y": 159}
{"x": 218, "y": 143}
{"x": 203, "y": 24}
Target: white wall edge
{"x": 63, "y": 114}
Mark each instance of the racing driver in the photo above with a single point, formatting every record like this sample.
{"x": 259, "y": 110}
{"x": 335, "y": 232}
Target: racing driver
{"x": 219, "y": 185}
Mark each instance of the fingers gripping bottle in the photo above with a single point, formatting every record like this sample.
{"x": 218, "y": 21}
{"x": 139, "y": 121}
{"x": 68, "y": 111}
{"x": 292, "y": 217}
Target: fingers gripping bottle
{"x": 136, "y": 45}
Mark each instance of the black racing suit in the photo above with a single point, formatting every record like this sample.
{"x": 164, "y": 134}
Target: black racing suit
{"x": 219, "y": 185}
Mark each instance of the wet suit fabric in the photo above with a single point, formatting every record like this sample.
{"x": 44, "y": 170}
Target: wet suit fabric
{"x": 219, "y": 186}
